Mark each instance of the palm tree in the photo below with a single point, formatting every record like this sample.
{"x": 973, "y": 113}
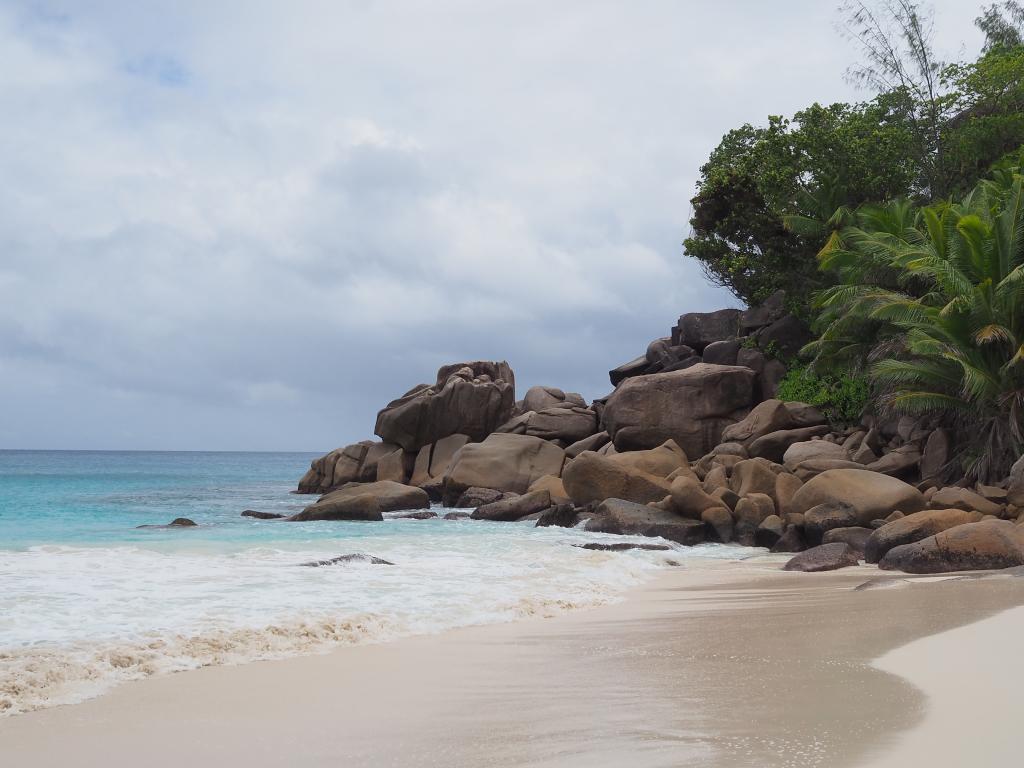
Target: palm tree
{"x": 951, "y": 328}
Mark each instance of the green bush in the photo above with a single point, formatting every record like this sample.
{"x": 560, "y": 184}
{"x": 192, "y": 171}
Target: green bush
{"x": 841, "y": 398}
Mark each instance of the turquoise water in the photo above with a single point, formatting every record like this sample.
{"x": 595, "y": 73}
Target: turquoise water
{"x": 97, "y": 498}
{"x": 89, "y": 600}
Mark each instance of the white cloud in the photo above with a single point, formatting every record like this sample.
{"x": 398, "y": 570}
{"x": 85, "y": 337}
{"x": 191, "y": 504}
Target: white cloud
{"x": 250, "y": 224}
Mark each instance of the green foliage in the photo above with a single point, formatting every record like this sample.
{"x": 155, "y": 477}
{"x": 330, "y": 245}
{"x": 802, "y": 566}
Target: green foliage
{"x": 772, "y": 198}
{"x": 800, "y": 173}
{"x": 948, "y": 328}
{"x": 841, "y": 398}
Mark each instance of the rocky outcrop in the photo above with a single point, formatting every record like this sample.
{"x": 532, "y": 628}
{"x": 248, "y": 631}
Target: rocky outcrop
{"x": 364, "y": 501}
{"x": 626, "y": 517}
{"x": 472, "y": 399}
{"x": 514, "y": 508}
{"x": 691, "y": 407}
{"x": 567, "y": 424}
{"x": 826, "y": 557}
{"x": 985, "y": 545}
{"x": 356, "y": 463}
{"x": 504, "y": 462}
{"x": 872, "y": 495}
{"x": 591, "y": 478}
{"x": 915, "y": 527}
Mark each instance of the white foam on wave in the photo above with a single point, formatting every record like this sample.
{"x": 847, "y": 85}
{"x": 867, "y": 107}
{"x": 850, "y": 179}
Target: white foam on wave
{"x": 75, "y": 621}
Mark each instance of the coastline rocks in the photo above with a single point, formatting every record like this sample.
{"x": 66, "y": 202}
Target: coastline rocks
{"x": 915, "y": 527}
{"x": 515, "y": 508}
{"x": 554, "y": 486}
{"x": 540, "y": 398}
{"x": 364, "y": 501}
{"x": 985, "y": 545}
{"x": 699, "y": 329}
{"x": 689, "y": 498}
{"x": 691, "y": 407}
{"x": 261, "y": 515}
{"x": 504, "y": 462}
{"x": 560, "y": 515}
{"x": 358, "y": 557}
{"x": 569, "y": 424}
{"x": 592, "y": 443}
{"x": 825, "y": 517}
{"x": 827, "y": 557}
{"x": 1015, "y": 486}
{"x": 472, "y": 399}
{"x": 623, "y": 547}
{"x": 751, "y": 511}
{"x": 963, "y": 498}
{"x": 871, "y": 494}
{"x": 474, "y": 497}
{"x": 812, "y": 450}
{"x": 718, "y": 524}
{"x": 774, "y": 445}
{"x": 433, "y": 460}
{"x": 765, "y": 417}
{"x": 591, "y": 477}
{"x": 855, "y": 536}
{"x": 351, "y": 464}
{"x": 626, "y": 517}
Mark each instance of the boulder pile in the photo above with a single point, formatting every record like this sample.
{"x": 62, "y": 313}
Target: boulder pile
{"x": 692, "y": 446}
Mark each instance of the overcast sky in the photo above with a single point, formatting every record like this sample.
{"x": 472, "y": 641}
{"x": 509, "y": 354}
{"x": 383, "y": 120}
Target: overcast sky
{"x": 250, "y": 225}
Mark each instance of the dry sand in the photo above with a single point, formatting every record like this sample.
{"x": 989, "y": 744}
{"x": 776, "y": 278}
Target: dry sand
{"x": 710, "y": 665}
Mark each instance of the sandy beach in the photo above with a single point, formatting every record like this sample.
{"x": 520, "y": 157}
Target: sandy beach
{"x": 723, "y": 664}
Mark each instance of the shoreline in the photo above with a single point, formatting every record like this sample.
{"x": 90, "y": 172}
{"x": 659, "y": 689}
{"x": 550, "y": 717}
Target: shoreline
{"x": 720, "y": 664}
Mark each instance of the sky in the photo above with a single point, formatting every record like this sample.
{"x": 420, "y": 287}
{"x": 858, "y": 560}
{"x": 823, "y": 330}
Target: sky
{"x": 249, "y": 225}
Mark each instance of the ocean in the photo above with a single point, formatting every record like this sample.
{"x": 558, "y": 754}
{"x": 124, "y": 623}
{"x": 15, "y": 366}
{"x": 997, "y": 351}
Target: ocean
{"x": 88, "y": 599}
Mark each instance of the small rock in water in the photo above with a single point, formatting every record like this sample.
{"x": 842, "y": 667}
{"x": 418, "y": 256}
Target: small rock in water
{"x": 182, "y": 522}
{"x": 457, "y": 516}
{"x": 261, "y": 515}
{"x": 623, "y": 547}
{"x": 357, "y": 557}
{"x": 424, "y": 515}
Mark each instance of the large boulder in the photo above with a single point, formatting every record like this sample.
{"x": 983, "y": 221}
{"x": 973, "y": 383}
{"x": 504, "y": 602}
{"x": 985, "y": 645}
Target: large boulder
{"x": 768, "y": 416}
{"x": 542, "y": 398}
{"x": 660, "y": 462}
{"x": 806, "y": 450}
{"x": 871, "y": 494}
{"x": 690, "y": 500}
{"x": 350, "y": 464}
{"x": 364, "y": 501}
{"x": 1015, "y": 486}
{"x": 691, "y": 406}
{"x": 963, "y": 498}
{"x": 554, "y": 486}
{"x": 433, "y": 460}
{"x": 938, "y": 451}
{"x": 567, "y": 423}
{"x": 626, "y": 517}
{"x": 826, "y": 557}
{"x": 821, "y": 519}
{"x": 503, "y": 462}
{"x": 514, "y": 508}
{"x": 592, "y": 443}
{"x": 698, "y": 329}
{"x": 774, "y": 445}
{"x": 472, "y": 399}
{"x": 985, "y": 545}
{"x": 915, "y": 527}
{"x": 591, "y": 478}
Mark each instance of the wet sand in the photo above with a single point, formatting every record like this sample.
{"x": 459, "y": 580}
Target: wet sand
{"x": 712, "y": 664}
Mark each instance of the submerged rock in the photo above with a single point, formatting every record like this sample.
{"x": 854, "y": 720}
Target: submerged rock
{"x": 357, "y": 557}
{"x": 623, "y": 547}
{"x": 261, "y": 515}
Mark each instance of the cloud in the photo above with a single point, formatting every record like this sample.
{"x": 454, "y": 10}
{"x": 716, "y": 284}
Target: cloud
{"x": 250, "y": 226}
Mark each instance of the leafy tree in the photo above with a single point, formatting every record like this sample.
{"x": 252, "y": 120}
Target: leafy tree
{"x": 1002, "y": 24}
{"x": 950, "y": 335}
{"x": 763, "y": 189}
